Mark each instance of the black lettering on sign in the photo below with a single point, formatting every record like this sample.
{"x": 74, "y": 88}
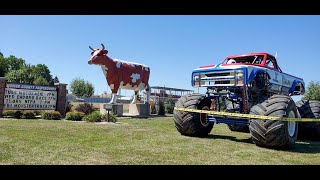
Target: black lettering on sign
{"x": 8, "y": 96}
{"x": 29, "y": 99}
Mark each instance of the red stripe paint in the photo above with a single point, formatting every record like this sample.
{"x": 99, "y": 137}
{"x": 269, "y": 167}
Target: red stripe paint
{"x": 248, "y": 64}
{"x": 207, "y": 66}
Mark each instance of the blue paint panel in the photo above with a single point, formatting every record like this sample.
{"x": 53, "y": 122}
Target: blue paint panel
{"x": 274, "y": 88}
{"x": 192, "y": 83}
{"x": 227, "y": 121}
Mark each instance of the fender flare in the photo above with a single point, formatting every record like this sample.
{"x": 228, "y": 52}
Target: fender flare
{"x": 254, "y": 73}
{"x": 294, "y": 84}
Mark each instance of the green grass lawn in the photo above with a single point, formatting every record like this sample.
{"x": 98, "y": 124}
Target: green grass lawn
{"x": 136, "y": 141}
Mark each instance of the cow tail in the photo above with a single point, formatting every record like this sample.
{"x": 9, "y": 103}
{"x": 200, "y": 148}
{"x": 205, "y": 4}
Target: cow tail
{"x": 147, "y": 87}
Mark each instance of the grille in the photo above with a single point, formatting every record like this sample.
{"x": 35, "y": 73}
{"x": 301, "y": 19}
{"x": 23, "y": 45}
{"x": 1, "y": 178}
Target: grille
{"x": 213, "y": 79}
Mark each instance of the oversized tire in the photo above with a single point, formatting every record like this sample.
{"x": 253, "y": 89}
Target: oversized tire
{"x": 192, "y": 124}
{"x": 275, "y": 134}
{"x": 235, "y": 127}
{"x": 309, "y": 109}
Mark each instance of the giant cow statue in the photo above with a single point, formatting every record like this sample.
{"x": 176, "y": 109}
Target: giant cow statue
{"x": 121, "y": 74}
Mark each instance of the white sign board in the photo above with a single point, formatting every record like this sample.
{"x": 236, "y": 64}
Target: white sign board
{"x": 29, "y": 99}
{"x": 108, "y": 107}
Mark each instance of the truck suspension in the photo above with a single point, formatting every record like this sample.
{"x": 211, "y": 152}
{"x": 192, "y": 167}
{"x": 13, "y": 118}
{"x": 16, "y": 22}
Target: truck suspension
{"x": 244, "y": 96}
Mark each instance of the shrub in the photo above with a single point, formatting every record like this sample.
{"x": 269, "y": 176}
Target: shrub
{"x": 85, "y": 108}
{"x": 12, "y": 113}
{"x": 170, "y": 105}
{"x": 28, "y": 114}
{"x": 51, "y": 115}
{"x": 93, "y": 117}
{"x": 69, "y": 106}
{"x": 37, "y": 112}
{"x": 161, "y": 109}
{"x": 153, "y": 108}
{"x": 74, "y": 116}
{"x": 112, "y": 117}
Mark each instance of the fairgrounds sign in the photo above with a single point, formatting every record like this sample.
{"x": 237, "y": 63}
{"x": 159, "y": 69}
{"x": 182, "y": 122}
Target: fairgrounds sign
{"x": 25, "y": 96}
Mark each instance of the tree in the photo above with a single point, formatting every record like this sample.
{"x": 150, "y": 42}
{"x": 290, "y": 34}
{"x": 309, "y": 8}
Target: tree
{"x": 313, "y": 91}
{"x": 16, "y": 70}
{"x": 14, "y": 63}
{"x": 9, "y": 64}
{"x": 170, "y": 105}
{"x": 89, "y": 89}
{"x": 30, "y": 74}
{"x": 81, "y": 88}
{"x": 161, "y": 110}
{"x": 3, "y": 66}
{"x": 56, "y": 80}
{"x": 23, "y": 75}
{"x": 1, "y": 55}
{"x": 40, "y": 81}
{"x": 41, "y": 70}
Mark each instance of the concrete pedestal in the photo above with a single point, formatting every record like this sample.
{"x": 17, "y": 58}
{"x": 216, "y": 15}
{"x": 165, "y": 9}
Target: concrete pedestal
{"x": 139, "y": 110}
{"x": 117, "y": 109}
{"x": 102, "y": 108}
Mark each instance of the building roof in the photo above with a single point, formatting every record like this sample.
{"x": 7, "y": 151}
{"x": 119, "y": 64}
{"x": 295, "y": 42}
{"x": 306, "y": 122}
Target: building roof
{"x": 169, "y": 88}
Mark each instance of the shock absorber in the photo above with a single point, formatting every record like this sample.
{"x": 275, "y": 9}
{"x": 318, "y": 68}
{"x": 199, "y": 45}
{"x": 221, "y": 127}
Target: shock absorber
{"x": 244, "y": 96}
{"x": 213, "y": 104}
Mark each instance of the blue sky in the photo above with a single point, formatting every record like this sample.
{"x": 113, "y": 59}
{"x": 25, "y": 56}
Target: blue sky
{"x": 172, "y": 46}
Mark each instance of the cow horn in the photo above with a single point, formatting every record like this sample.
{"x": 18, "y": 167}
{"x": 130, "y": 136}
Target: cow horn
{"x": 91, "y": 48}
{"x": 102, "y": 46}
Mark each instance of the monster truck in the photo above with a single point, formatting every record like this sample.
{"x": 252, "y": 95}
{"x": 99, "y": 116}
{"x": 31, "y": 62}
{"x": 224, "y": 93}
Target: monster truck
{"x": 247, "y": 84}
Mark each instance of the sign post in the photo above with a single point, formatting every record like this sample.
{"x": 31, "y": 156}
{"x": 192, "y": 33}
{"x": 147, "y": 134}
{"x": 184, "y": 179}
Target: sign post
{"x": 108, "y": 107}
{"x": 2, "y": 89}
{"x": 61, "y": 98}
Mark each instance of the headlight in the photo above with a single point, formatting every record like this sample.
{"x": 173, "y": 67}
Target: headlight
{"x": 239, "y": 77}
{"x": 196, "y": 79}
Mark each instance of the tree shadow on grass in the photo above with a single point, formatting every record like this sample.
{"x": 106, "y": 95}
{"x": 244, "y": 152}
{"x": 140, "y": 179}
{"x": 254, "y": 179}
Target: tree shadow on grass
{"x": 231, "y": 138}
{"x": 309, "y": 147}
{"x": 312, "y": 147}
{"x": 301, "y": 146}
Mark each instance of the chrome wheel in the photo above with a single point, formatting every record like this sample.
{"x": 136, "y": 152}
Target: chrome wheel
{"x": 292, "y": 124}
{"x": 204, "y": 118}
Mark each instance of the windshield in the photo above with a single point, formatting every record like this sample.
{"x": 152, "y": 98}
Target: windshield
{"x": 257, "y": 59}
